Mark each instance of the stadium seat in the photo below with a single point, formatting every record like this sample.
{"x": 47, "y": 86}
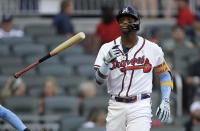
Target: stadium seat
{"x": 96, "y": 102}
{"x": 10, "y": 60}
{"x": 74, "y": 50}
{"x": 77, "y": 60}
{"x": 51, "y": 39}
{"x": 91, "y": 43}
{"x": 56, "y": 69}
{"x": 86, "y": 71}
{"x": 61, "y": 91}
{"x": 34, "y": 126}
{"x": 22, "y": 105}
{"x": 3, "y": 80}
{"x": 102, "y": 91}
{"x": 196, "y": 128}
{"x": 71, "y": 81}
{"x": 4, "y": 50}
{"x": 168, "y": 128}
{"x": 61, "y": 105}
{"x": 35, "y": 91}
{"x": 163, "y": 30}
{"x": 182, "y": 58}
{"x": 181, "y": 120}
{"x": 72, "y": 123}
{"x": 39, "y": 29}
{"x": 10, "y": 70}
{"x": 17, "y": 40}
{"x": 93, "y": 129}
{"x": 29, "y": 49}
{"x": 32, "y": 58}
{"x": 34, "y": 81}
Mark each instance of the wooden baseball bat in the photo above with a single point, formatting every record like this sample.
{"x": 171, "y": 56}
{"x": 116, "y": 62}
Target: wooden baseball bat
{"x": 68, "y": 43}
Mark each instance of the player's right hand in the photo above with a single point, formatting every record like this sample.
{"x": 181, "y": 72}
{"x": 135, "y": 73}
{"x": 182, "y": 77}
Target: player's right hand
{"x": 112, "y": 54}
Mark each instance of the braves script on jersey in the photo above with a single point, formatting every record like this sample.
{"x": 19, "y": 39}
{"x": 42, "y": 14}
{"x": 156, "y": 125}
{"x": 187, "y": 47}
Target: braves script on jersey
{"x": 131, "y": 73}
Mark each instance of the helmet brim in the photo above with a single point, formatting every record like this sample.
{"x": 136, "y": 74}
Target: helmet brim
{"x": 125, "y": 15}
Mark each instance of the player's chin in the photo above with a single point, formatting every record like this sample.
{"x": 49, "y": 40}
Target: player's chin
{"x": 124, "y": 30}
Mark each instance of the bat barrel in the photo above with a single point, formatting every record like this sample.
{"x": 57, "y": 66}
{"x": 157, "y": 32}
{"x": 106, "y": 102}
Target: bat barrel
{"x": 72, "y": 41}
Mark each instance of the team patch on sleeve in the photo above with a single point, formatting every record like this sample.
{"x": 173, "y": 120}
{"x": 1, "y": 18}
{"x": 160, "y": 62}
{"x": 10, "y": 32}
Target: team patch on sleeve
{"x": 162, "y": 68}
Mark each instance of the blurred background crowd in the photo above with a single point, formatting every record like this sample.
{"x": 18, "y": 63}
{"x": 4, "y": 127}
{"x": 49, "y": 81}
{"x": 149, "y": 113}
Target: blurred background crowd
{"x": 60, "y": 94}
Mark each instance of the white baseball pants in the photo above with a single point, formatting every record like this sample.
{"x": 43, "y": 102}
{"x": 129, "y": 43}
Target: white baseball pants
{"x": 129, "y": 116}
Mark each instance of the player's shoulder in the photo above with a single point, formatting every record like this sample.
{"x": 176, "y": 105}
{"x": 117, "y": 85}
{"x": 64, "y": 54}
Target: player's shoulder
{"x": 111, "y": 43}
{"x": 151, "y": 47}
{"x": 150, "y": 44}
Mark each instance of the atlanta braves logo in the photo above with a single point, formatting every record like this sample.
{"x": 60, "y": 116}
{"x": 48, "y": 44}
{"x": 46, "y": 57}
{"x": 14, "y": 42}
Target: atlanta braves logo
{"x": 125, "y": 10}
{"x": 130, "y": 64}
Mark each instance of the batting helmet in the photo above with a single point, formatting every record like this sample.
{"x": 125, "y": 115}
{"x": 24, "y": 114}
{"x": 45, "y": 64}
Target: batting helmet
{"x": 131, "y": 12}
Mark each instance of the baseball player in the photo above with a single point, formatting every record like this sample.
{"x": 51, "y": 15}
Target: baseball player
{"x": 126, "y": 64}
{"x": 11, "y": 118}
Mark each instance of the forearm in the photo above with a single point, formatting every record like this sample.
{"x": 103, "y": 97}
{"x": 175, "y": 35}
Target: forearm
{"x": 11, "y": 118}
{"x": 104, "y": 70}
{"x": 102, "y": 74}
{"x": 166, "y": 85}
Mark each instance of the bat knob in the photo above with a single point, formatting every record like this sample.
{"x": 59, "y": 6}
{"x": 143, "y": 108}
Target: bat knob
{"x": 16, "y": 76}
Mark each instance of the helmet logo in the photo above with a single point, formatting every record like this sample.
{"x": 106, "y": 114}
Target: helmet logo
{"x": 125, "y": 10}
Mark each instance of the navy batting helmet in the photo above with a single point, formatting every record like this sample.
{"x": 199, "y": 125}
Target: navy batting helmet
{"x": 131, "y": 12}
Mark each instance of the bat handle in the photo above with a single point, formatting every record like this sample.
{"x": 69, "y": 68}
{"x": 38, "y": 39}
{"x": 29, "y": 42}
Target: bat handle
{"x": 16, "y": 75}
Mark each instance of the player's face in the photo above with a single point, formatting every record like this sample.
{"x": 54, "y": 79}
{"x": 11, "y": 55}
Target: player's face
{"x": 123, "y": 23}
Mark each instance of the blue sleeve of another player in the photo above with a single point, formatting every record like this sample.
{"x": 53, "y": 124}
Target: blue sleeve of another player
{"x": 11, "y": 118}
{"x": 165, "y": 90}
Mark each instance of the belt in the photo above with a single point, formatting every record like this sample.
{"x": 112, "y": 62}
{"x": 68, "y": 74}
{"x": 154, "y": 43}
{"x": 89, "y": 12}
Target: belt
{"x": 130, "y": 99}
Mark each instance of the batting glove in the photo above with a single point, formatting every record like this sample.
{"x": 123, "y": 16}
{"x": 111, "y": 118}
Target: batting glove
{"x": 163, "y": 111}
{"x": 112, "y": 54}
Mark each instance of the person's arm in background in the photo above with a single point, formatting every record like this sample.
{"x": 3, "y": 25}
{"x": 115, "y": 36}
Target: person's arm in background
{"x": 13, "y": 119}
{"x": 67, "y": 27}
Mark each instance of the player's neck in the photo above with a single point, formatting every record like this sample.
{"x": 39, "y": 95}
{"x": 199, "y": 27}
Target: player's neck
{"x": 129, "y": 40}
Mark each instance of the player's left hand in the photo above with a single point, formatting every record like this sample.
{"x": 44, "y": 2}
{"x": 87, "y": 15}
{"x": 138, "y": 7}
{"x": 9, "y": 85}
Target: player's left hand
{"x": 163, "y": 111}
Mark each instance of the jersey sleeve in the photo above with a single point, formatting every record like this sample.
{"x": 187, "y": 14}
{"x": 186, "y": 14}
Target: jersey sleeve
{"x": 99, "y": 58}
{"x": 158, "y": 55}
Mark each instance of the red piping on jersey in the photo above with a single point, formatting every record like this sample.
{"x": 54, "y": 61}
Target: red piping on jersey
{"x": 114, "y": 42}
{"x": 122, "y": 84}
{"x": 133, "y": 70}
{"x": 97, "y": 65}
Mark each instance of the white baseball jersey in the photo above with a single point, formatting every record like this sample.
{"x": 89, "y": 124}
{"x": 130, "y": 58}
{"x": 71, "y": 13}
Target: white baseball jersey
{"x": 131, "y": 73}
{"x": 12, "y": 33}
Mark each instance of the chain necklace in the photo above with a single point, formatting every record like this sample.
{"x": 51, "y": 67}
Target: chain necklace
{"x": 124, "y": 55}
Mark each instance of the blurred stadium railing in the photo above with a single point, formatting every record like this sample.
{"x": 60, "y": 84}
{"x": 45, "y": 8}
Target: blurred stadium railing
{"x": 82, "y": 7}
